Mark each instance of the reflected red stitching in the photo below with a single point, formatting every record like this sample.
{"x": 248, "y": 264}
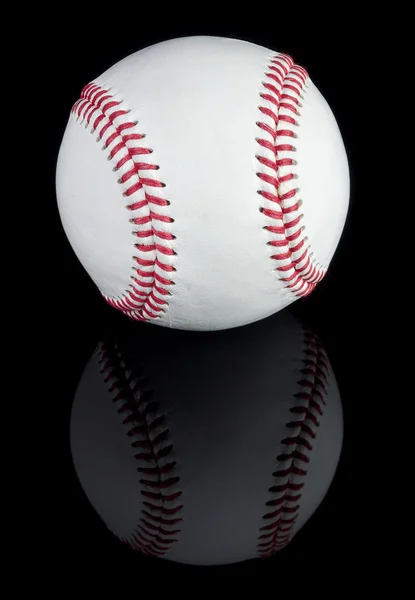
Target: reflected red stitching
{"x": 284, "y": 84}
{"x": 146, "y": 299}
{"x": 292, "y": 463}
{"x": 149, "y": 436}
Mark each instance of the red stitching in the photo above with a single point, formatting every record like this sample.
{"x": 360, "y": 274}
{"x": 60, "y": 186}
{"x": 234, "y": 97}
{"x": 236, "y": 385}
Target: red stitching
{"x": 282, "y": 509}
{"x": 282, "y": 91}
{"x": 157, "y": 528}
{"x": 99, "y": 109}
{"x": 283, "y": 87}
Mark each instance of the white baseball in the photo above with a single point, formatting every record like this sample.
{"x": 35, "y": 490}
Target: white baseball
{"x": 203, "y": 183}
{"x": 211, "y": 448}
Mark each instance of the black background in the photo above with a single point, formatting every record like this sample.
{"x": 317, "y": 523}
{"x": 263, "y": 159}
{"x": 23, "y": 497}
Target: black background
{"x": 78, "y": 316}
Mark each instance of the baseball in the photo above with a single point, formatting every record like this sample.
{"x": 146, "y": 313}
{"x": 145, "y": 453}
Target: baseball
{"x": 207, "y": 449}
{"x": 203, "y": 183}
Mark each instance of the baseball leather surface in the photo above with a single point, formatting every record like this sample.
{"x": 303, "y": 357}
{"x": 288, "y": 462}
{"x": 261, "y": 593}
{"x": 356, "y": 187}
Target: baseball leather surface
{"x": 203, "y": 183}
{"x": 207, "y": 448}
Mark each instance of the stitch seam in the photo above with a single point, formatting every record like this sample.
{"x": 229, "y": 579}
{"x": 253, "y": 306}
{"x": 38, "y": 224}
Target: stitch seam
{"x": 103, "y": 113}
{"x": 301, "y": 429}
{"x": 281, "y": 96}
{"x": 149, "y": 437}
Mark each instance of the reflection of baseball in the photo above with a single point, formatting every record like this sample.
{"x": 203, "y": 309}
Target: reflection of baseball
{"x": 214, "y": 188}
{"x": 208, "y": 448}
